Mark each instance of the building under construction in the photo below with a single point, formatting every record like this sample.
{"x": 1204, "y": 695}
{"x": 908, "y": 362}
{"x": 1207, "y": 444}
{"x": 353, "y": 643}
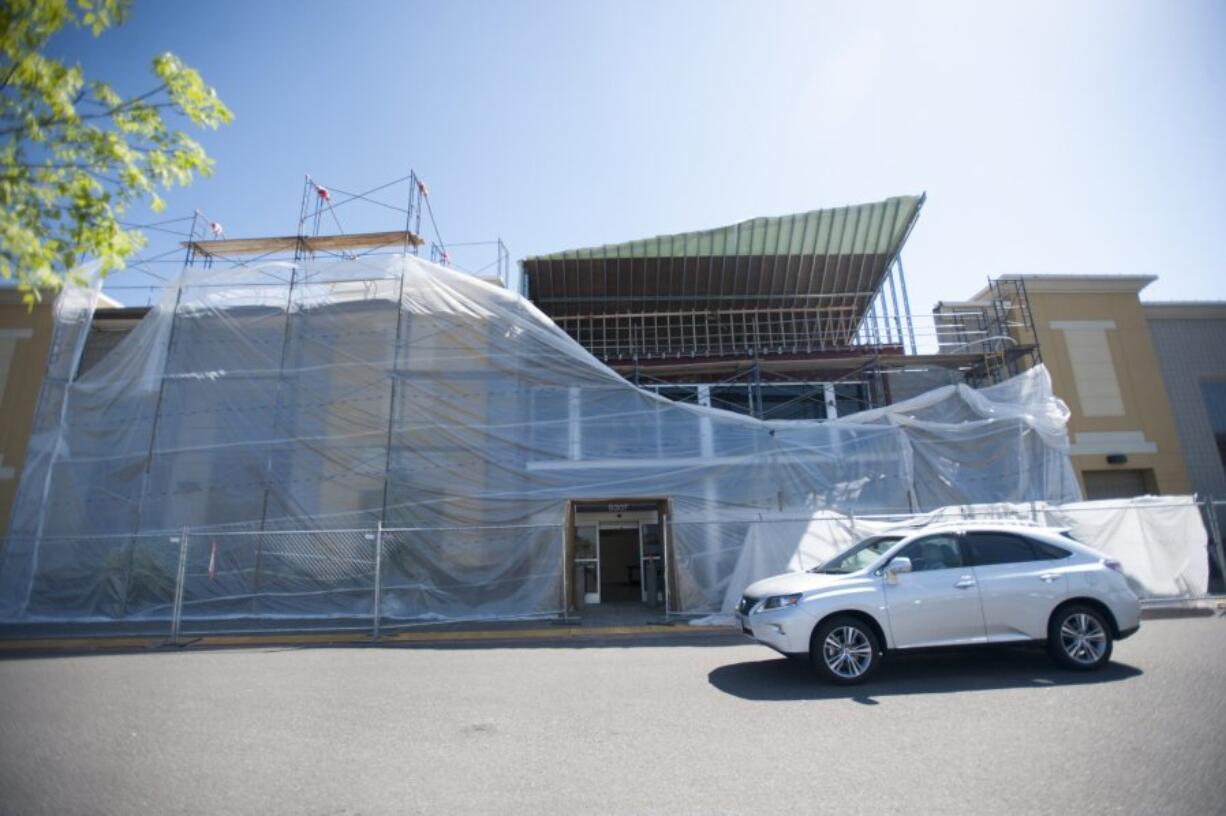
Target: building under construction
{"x": 328, "y": 427}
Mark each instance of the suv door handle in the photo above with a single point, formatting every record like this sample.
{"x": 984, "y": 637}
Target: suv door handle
{"x": 1048, "y": 577}
{"x": 966, "y": 583}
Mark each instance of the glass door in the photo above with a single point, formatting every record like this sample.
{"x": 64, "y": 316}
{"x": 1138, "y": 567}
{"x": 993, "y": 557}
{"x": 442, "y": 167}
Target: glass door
{"x": 651, "y": 564}
{"x": 587, "y": 563}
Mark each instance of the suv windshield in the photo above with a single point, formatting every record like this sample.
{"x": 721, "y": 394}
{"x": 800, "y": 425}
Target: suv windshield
{"x": 859, "y": 556}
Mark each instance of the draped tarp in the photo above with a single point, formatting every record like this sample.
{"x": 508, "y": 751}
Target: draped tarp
{"x": 1160, "y": 541}
{"x": 326, "y": 398}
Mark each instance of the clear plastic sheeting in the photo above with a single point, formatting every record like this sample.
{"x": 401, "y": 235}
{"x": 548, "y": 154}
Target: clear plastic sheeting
{"x": 1160, "y": 541}
{"x": 284, "y": 412}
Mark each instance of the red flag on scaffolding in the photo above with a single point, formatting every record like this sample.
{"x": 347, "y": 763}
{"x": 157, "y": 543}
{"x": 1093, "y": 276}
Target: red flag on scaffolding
{"x": 323, "y": 193}
{"x": 213, "y": 562}
{"x": 422, "y": 188}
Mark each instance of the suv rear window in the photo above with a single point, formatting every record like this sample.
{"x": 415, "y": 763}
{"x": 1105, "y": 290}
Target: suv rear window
{"x": 1004, "y": 548}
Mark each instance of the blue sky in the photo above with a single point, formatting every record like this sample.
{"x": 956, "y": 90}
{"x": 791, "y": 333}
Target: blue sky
{"x": 1051, "y": 138}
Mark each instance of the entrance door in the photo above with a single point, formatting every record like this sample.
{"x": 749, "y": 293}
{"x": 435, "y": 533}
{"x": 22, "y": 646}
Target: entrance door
{"x": 608, "y": 562}
{"x": 651, "y": 565}
{"x": 620, "y": 559}
{"x": 587, "y": 563}
{"x": 618, "y": 553}
{"x": 1117, "y": 484}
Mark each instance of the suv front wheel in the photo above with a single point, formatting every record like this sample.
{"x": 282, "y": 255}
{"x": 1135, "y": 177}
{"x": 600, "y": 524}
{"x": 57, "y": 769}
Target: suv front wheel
{"x": 845, "y": 650}
{"x": 1079, "y": 638}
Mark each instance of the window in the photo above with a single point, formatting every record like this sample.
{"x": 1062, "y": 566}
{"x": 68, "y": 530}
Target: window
{"x": 1001, "y": 548}
{"x": 731, "y": 398}
{"x": 850, "y": 398}
{"x": 859, "y": 556}
{"x": 1048, "y": 552}
{"x": 934, "y": 553}
{"x": 585, "y": 541}
{"x": 793, "y": 401}
{"x": 679, "y": 393}
{"x": 1214, "y": 394}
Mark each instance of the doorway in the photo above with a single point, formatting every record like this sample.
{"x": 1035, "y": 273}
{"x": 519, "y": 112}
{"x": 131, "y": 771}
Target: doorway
{"x": 620, "y": 576}
{"x": 617, "y": 554}
{"x": 1118, "y": 484}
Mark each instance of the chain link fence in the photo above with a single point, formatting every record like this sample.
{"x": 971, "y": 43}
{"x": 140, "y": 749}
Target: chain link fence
{"x": 191, "y": 583}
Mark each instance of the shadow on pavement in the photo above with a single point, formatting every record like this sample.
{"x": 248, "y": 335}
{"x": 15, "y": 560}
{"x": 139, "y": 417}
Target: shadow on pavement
{"x": 932, "y": 673}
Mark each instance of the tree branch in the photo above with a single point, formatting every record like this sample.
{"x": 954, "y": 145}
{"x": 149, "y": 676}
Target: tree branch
{"x": 51, "y": 121}
{"x": 11, "y": 71}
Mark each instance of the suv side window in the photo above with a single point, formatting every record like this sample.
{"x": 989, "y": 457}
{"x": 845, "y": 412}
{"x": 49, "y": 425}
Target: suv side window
{"x": 988, "y": 549}
{"x": 1048, "y": 552}
{"x": 934, "y": 552}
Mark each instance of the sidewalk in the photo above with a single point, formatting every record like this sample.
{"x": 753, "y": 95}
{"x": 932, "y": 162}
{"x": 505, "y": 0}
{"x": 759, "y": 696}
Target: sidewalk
{"x": 613, "y": 621}
{"x": 609, "y": 624}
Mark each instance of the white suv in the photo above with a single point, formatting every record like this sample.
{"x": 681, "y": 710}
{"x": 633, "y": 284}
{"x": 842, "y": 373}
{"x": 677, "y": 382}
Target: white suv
{"x": 948, "y": 585}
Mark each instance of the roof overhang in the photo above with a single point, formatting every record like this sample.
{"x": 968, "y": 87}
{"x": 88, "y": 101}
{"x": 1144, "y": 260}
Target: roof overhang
{"x": 828, "y": 260}
{"x": 1185, "y": 310}
{"x": 1075, "y": 284}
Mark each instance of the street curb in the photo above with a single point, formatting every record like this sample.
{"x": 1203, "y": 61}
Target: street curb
{"x": 1191, "y": 608}
{"x": 107, "y": 644}
{"x": 52, "y": 645}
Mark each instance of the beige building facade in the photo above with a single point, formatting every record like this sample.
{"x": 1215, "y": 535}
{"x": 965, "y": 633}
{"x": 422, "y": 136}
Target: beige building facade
{"x": 25, "y": 342}
{"x": 25, "y": 337}
{"x": 1095, "y": 341}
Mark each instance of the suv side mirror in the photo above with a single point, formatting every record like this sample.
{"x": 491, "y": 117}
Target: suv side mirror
{"x": 897, "y": 566}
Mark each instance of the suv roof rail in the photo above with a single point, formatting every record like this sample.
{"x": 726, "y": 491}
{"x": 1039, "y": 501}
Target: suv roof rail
{"x": 919, "y": 524}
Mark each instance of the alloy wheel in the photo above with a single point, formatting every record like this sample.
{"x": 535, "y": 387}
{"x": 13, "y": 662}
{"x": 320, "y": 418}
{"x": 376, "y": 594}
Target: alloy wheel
{"x": 1082, "y": 638}
{"x": 847, "y": 652}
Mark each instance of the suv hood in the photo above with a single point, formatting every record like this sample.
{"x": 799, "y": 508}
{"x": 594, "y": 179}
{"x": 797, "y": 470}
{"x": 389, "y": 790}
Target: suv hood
{"x": 792, "y": 582}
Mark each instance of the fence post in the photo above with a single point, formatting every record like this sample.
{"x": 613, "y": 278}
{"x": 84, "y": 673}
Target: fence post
{"x": 177, "y": 613}
{"x": 378, "y": 576}
{"x": 1215, "y": 533}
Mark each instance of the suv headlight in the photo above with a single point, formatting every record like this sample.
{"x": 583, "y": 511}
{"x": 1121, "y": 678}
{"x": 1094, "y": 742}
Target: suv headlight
{"x": 781, "y": 601}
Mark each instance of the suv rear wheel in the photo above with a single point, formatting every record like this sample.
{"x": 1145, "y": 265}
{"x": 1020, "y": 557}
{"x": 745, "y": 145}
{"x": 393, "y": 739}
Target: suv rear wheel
{"x": 845, "y": 650}
{"x": 1079, "y": 638}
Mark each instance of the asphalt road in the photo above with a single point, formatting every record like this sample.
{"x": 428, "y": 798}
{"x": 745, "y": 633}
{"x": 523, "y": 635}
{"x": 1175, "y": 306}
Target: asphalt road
{"x": 721, "y": 727}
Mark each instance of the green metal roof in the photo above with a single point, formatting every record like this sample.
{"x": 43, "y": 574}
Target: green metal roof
{"x": 875, "y": 228}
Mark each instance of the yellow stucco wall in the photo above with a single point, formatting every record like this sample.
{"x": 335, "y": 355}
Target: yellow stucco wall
{"x": 1145, "y": 404}
{"x": 27, "y": 337}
